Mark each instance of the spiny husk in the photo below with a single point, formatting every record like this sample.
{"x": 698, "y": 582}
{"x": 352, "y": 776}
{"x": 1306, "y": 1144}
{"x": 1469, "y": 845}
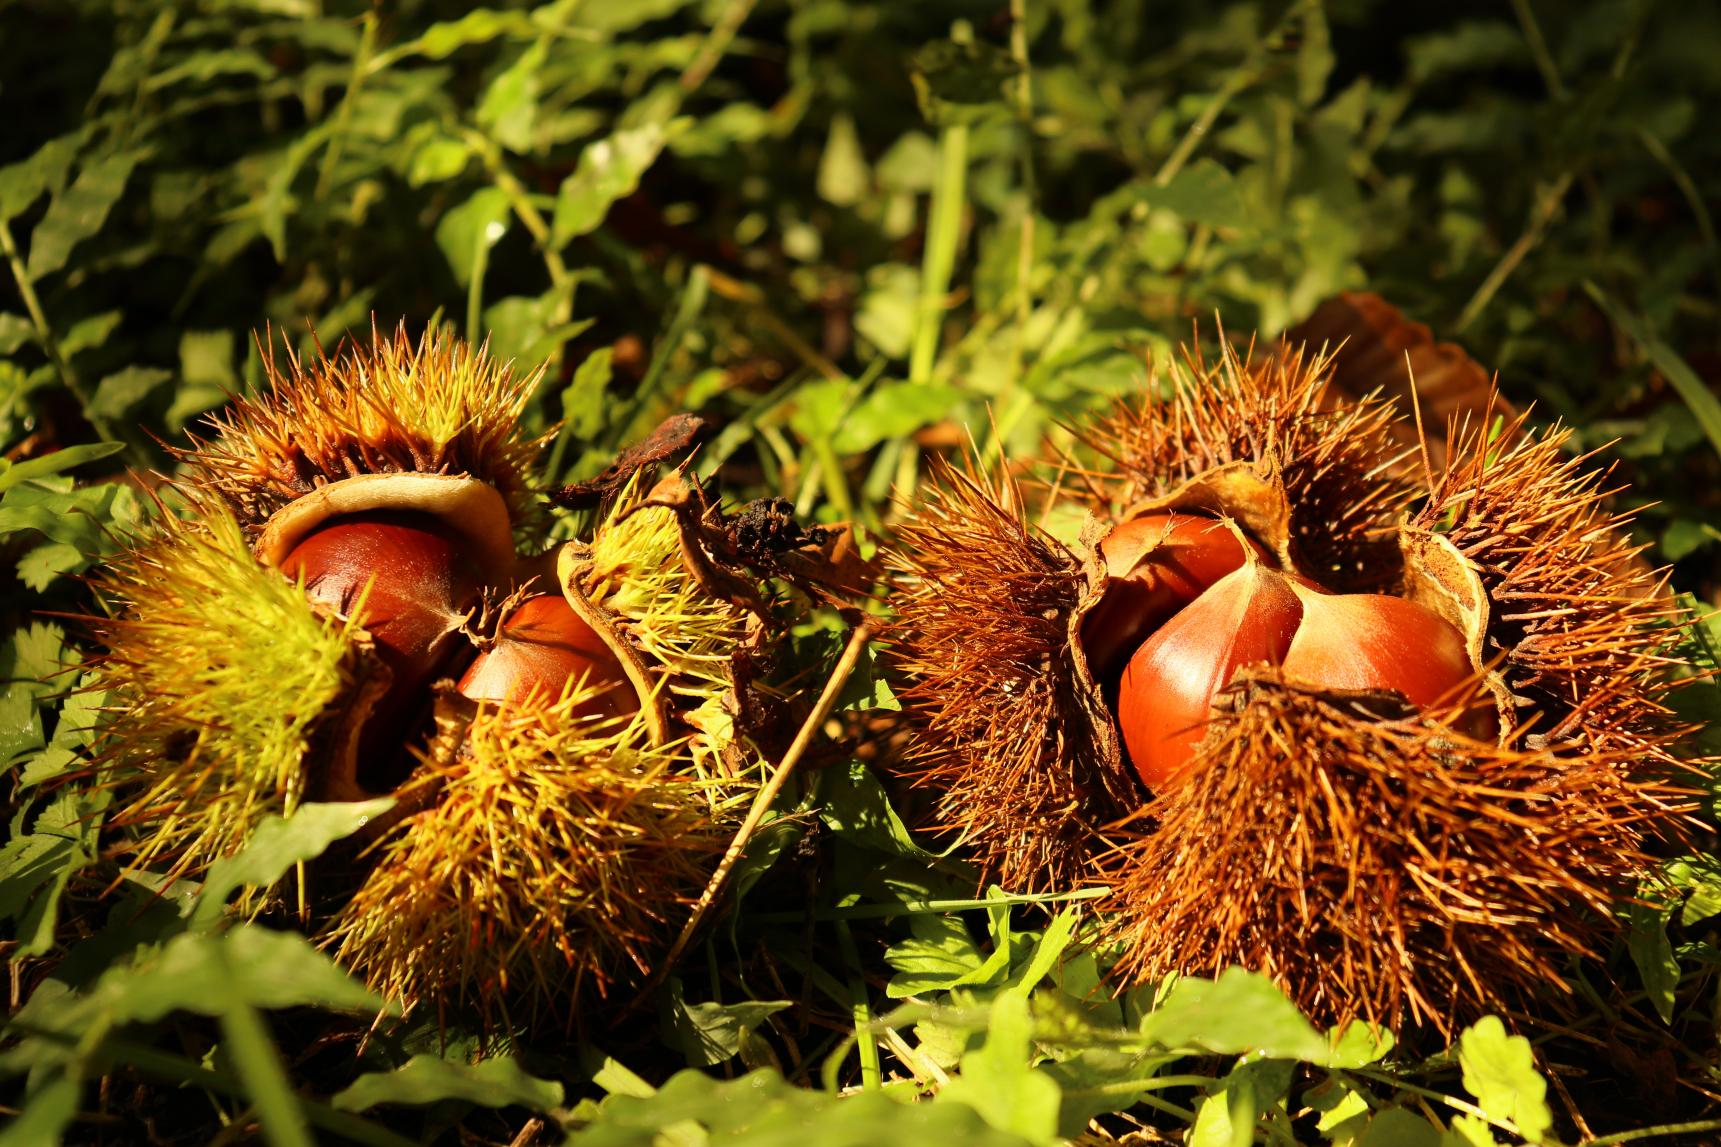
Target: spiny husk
{"x": 687, "y": 636}
{"x": 1581, "y": 623}
{"x": 551, "y": 856}
{"x": 552, "y": 848}
{"x": 1340, "y": 468}
{"x": 434, "y": 407}
{"x": 1378, "y": 867}
{"x": 1010, "y": 730}
{"x": 224, "y": 682}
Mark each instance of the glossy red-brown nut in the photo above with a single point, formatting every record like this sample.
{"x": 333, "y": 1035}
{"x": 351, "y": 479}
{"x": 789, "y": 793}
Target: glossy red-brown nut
{"x": 1165, "y": 699}
{"x": 541, "y": 648}
{"x": 417, "y": 580}
{"x": 1375, "y": 641}
{"x": 1158, "y": 563}
{"x": 1259, "y": 616}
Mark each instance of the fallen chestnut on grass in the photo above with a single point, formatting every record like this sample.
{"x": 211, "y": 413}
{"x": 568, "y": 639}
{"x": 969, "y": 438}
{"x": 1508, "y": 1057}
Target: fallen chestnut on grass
{"x": 1259, "y": 617}
{"x": 1419, "y": 796}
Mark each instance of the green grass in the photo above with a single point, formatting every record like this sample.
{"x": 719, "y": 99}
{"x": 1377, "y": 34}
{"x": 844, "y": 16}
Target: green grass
{"x": 837, "y": 230}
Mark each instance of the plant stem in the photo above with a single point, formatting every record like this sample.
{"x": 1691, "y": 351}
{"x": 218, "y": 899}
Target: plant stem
{"x": 943, "y": 234}
{"x": 1540, "y": 216}
{"x": 259, "y": 1064}
{"x": 711, "y": 52}
{"x": 1235, "y": 83}
{"x": 344, "y": 113}
{"x": 1539, "y": 48}
{"x": 872, "y": 1072}
{"x": 1653, "y": 1132}
{"x": 50, "y": 344}
{"x": 768, "y": 795}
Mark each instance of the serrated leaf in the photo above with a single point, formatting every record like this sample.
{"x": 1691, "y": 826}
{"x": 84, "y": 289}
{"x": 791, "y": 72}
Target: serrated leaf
{"x": 583, "y": 408}
{"x": 427, "y": 1079}
{"x": 1500, "y": 1071}
{"x": 78, "y": 212}
{"x": 763, "y": 1110}
{"x": 12, "y": 473}
{"x": 209, "y": 974}
{"x": 1397, "y": 1127}
{"x": 1239, "y": 1012}
{"x": 609, "y": 169}
{"x": 280, "y": 843}
{"x": 939, "y": 955}
{"x": 854, "y": 805}
{"x": 474, "y": 226}
{"x": 39, "y": 567}
{"x": 1357, "y": 1045}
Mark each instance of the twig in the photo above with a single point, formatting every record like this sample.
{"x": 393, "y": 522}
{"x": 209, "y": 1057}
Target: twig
{"x": 344, "y": 114}
{"x": 1539, "y": 48}
{"x": 768, "y": 795}
{"x": 1540, "y": 217}
{"x": 710, "y": 52}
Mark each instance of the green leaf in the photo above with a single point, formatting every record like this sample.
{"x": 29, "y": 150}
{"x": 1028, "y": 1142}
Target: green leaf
{"x": 437, "y": 160}
{"x": 90, "y": 332}
{"x": 15, "y": 331}
{"x": 23, "y": 182}
{"x": 609, "y": 169}
{"x": 119, "y": 392}
{"x": 12, "y": 473}
{"x": 1357, "y": 1045}
{"x": 42, "y": 565}
{"x": 893, "y": 410}
{"x": 1314, "y": 55}
{"x": 1239, "y": 1012}
{"x": 1500, "y": 1071}
{"x": 853, "y": 804}
{"x": 1203, "y": 192}
{"x": 280, "y": 843}
{"x": 78, "y": 212}
{"x": 843, "y": 177}
{"x": 1704, "y": 406}
{"x": 940, "y": 955}
{"x": 963, "y": 83}
{"x": 480, "y": 26}
{"x": 210, "y": 974}
{"x": 710, "y": 1033}
{"x": 584, "y": 410}
{"x": 762, "y": 1110}
{"x": 425, "y": 1079}
{"x": 47, "y": 1112}
{"x": 510, "y": 104}
{"x": 471, "y": 228}
{"x": 999, "y": 1081}
{"x": 889, "y": 309}
{"x": 1397, "y": 1127}
{"x": 1652, "y": 952}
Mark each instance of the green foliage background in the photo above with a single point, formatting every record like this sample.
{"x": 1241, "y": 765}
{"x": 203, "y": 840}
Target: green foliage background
{"x": 841, "y": 230}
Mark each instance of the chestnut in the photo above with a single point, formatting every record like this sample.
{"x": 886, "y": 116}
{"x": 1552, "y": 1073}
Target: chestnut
{"x": 542, "y": 646}
{"x": 1157, "y": 563}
